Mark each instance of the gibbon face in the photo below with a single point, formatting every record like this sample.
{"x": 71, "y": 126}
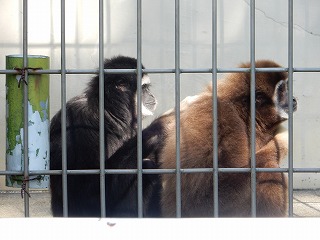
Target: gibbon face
{"x": 124, "y": 85}
{"x": 272, "y": 100}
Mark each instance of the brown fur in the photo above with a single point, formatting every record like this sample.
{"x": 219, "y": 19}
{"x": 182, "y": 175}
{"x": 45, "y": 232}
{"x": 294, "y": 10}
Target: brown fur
{"x": 234, "y": 150}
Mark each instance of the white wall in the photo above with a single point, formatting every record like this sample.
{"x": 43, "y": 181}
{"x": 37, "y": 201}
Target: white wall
{"x": 158, "y": 50}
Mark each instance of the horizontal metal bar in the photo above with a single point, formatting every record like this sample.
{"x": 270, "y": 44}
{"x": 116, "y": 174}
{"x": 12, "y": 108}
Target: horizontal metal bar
{"x": 196, "y": 170}
{"x": 11, "y": 173}
{"x": 306, "y": 170}
{"x": 156, "y": 71}
{"x": 72, "y": 71}
{"x": 160, "y": 171}
{"x": 311, "y": 69}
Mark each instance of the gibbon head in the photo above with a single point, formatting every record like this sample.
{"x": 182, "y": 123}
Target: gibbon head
{"x": 121, "y": 88}
{"x": 272, "y": 102}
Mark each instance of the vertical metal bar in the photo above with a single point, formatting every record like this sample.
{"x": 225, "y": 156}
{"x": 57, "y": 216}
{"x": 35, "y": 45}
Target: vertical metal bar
{"x": 139, "y": 104}
{"x": 177, "y": 107}
{"x": 101, "y": 113}
{"x": 25, "y": 107}
{"x": 253, "y": 109}
{"x": 290, "y": 121}
{"x": 215, "y": 110}
{"x": 63, "y": 112}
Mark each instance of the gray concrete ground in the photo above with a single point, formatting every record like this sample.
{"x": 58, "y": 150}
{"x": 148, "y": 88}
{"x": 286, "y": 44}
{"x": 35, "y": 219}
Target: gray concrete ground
{"x": 306, "y": 203}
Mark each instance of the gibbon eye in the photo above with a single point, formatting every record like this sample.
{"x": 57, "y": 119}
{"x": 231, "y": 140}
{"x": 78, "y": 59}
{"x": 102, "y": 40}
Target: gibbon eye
{"x": 262, "y": 99}
{"x": 122, "y": 84}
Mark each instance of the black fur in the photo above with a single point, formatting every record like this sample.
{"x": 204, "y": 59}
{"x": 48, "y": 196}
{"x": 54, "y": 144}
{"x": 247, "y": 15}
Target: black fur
{"x": 126, "y": 158}
{"x": 83, "y": 144}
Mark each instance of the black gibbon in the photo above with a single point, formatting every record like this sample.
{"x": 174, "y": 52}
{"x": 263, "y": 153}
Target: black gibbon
{"x": 83, "y": 139}
{"x": 196, "y": 150}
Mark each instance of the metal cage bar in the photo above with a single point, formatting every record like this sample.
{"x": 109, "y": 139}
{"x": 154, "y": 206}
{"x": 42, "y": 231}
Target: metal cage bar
{"x": 290, "y": 120}
{"x": 101, "y": 113}
{"x": 64, "y": 111}
{"x": 168, "y": 70}
{"x": 177, "y": 107}
{"x": 215, "y": 111}
{"x": 139, "y": 107}
{"x": 25, "y": 108}
{"x": 253, "y": 109}
{"x": 160, "y": 171}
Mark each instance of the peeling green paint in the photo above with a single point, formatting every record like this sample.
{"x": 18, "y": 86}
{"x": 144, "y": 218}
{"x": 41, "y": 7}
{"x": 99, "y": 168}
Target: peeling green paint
{"x": 38, "y": 114}
{"x": 38, "y": 88}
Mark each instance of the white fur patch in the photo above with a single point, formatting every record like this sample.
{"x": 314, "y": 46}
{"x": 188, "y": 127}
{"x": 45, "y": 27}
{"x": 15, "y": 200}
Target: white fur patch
{"x": 281, "y": 112}
{"x": 283, "y": 137}
{"x": 145, "y": 111}
{"x": 188, "y": 101}
{"x": 145, "y": 80}
{"x": 184, "y": 104}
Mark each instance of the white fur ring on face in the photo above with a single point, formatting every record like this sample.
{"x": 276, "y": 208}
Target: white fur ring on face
{"x": 281, "y": 111}
{"x": 145, "y": 80}
{"x": 144, "y": 110}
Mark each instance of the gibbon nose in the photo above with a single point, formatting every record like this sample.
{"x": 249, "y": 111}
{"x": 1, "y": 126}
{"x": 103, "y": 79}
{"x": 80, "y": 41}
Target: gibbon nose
{"x": 295, "y": 104}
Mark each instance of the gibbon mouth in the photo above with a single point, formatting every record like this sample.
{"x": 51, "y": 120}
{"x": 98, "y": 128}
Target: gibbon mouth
{"x": 149, "y": 107}
{"x": 151, "y": 104}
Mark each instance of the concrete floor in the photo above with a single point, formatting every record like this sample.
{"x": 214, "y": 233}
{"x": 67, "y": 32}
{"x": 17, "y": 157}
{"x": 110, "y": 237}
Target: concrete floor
{"x": 12, "y": 205}
{"x": 306, "y": 204}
